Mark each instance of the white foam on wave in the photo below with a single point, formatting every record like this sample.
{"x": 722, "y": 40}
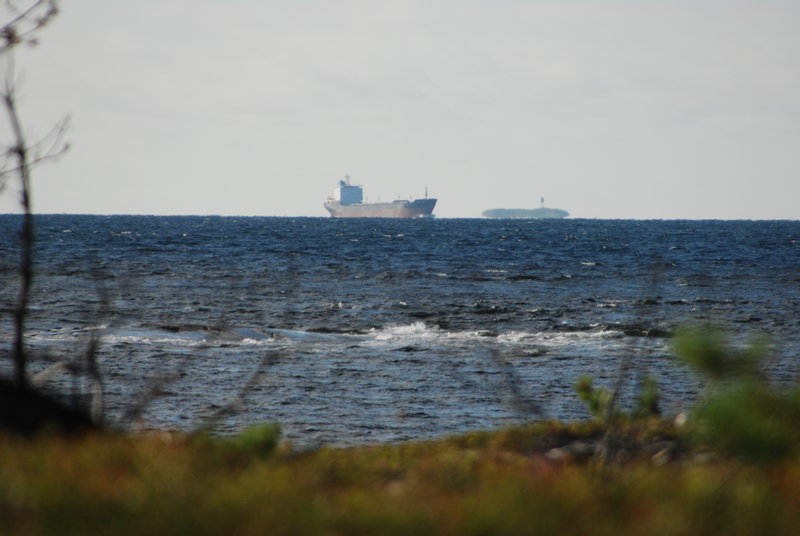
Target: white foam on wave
{"x": 421, "y": 331}
{"x": 187, "y": 338}
{"x": 309, "y": 336}
{"x": 415, "y": 330}
{"x": 417, "y": 334}
{"x": 586, "y": 341}
{"x": 421, "y": 335}
{"x": 153, "y": 337}
{"x": 156, "y": 337}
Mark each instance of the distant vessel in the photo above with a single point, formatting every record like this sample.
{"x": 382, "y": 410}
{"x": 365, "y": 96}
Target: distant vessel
{"x": 537, "y": 213}
{"x": 347, "y": 201}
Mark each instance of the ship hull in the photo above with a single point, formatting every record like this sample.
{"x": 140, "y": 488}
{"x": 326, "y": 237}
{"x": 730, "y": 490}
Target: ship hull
{"x": 420, "y": 208}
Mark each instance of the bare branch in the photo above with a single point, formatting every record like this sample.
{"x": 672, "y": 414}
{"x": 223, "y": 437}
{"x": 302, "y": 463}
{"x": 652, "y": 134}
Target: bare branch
{"x": 513, "y": 384}
{"x": 20, "y": 153}
{"x": 237, "y": 404}
{"x": 51, "y": 145}
{"x": 25, "y": 22}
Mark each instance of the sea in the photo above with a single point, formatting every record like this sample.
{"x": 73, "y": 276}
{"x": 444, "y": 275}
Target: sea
{"x": 350, "y": 332}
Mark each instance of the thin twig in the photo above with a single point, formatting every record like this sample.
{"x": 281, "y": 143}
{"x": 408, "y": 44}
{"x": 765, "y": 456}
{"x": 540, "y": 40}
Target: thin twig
{"x": 513, "y": 383}
{"x": 236, "y": 404}
{"x": 24, "y": 22}
{"x": 20, "y": 153}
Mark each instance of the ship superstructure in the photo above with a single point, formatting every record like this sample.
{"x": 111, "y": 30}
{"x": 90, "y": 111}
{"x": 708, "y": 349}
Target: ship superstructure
{"x": 347, "y": 201}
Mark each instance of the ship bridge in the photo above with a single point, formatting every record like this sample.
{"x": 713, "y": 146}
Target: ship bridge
{"x": 347, "y": 194}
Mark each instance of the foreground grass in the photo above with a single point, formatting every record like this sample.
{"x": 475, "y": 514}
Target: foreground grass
{"x": 482, "y": 483}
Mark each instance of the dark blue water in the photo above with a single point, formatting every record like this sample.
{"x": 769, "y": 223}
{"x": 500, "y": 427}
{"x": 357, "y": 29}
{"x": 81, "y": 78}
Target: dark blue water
{"x": 352, "y": 331}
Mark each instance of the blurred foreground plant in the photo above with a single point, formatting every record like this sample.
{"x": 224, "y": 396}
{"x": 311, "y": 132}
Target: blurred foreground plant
{"x": 599, "y": 400}
{"x": 19, "y": 25}
{"x": 743, "y": 414}
{"x": 258, "y": 440}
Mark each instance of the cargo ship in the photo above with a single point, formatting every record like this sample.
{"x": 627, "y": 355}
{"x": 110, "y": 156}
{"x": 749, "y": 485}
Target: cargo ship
{"x": 347, "y": 201}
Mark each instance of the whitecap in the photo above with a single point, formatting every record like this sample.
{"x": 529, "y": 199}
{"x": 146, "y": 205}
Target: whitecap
{"x": 416, "y": 329}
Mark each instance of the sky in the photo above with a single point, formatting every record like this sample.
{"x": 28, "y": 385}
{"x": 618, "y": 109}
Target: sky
{"x": 683, "y": 109}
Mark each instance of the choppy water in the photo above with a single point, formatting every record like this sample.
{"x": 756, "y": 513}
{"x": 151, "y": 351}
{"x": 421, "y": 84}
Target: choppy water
{"x": 383, "y": 330}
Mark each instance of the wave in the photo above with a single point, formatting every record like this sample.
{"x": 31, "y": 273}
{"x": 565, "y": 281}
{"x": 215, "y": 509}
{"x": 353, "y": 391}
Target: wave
{"x": 418, "y": 335}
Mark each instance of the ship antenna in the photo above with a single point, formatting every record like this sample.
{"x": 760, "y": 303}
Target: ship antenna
{"x": 543, "y": 202}
{"x": 347, "y": 179}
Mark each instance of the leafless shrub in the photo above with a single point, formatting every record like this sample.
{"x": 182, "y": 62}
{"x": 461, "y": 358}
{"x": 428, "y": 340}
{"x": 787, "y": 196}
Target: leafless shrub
{"x": 22, "y": 408}
{"x": 24, "y": 20}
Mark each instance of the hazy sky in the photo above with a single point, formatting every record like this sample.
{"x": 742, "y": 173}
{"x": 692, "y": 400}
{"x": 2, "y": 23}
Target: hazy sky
{"x": 606, "y": 108}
